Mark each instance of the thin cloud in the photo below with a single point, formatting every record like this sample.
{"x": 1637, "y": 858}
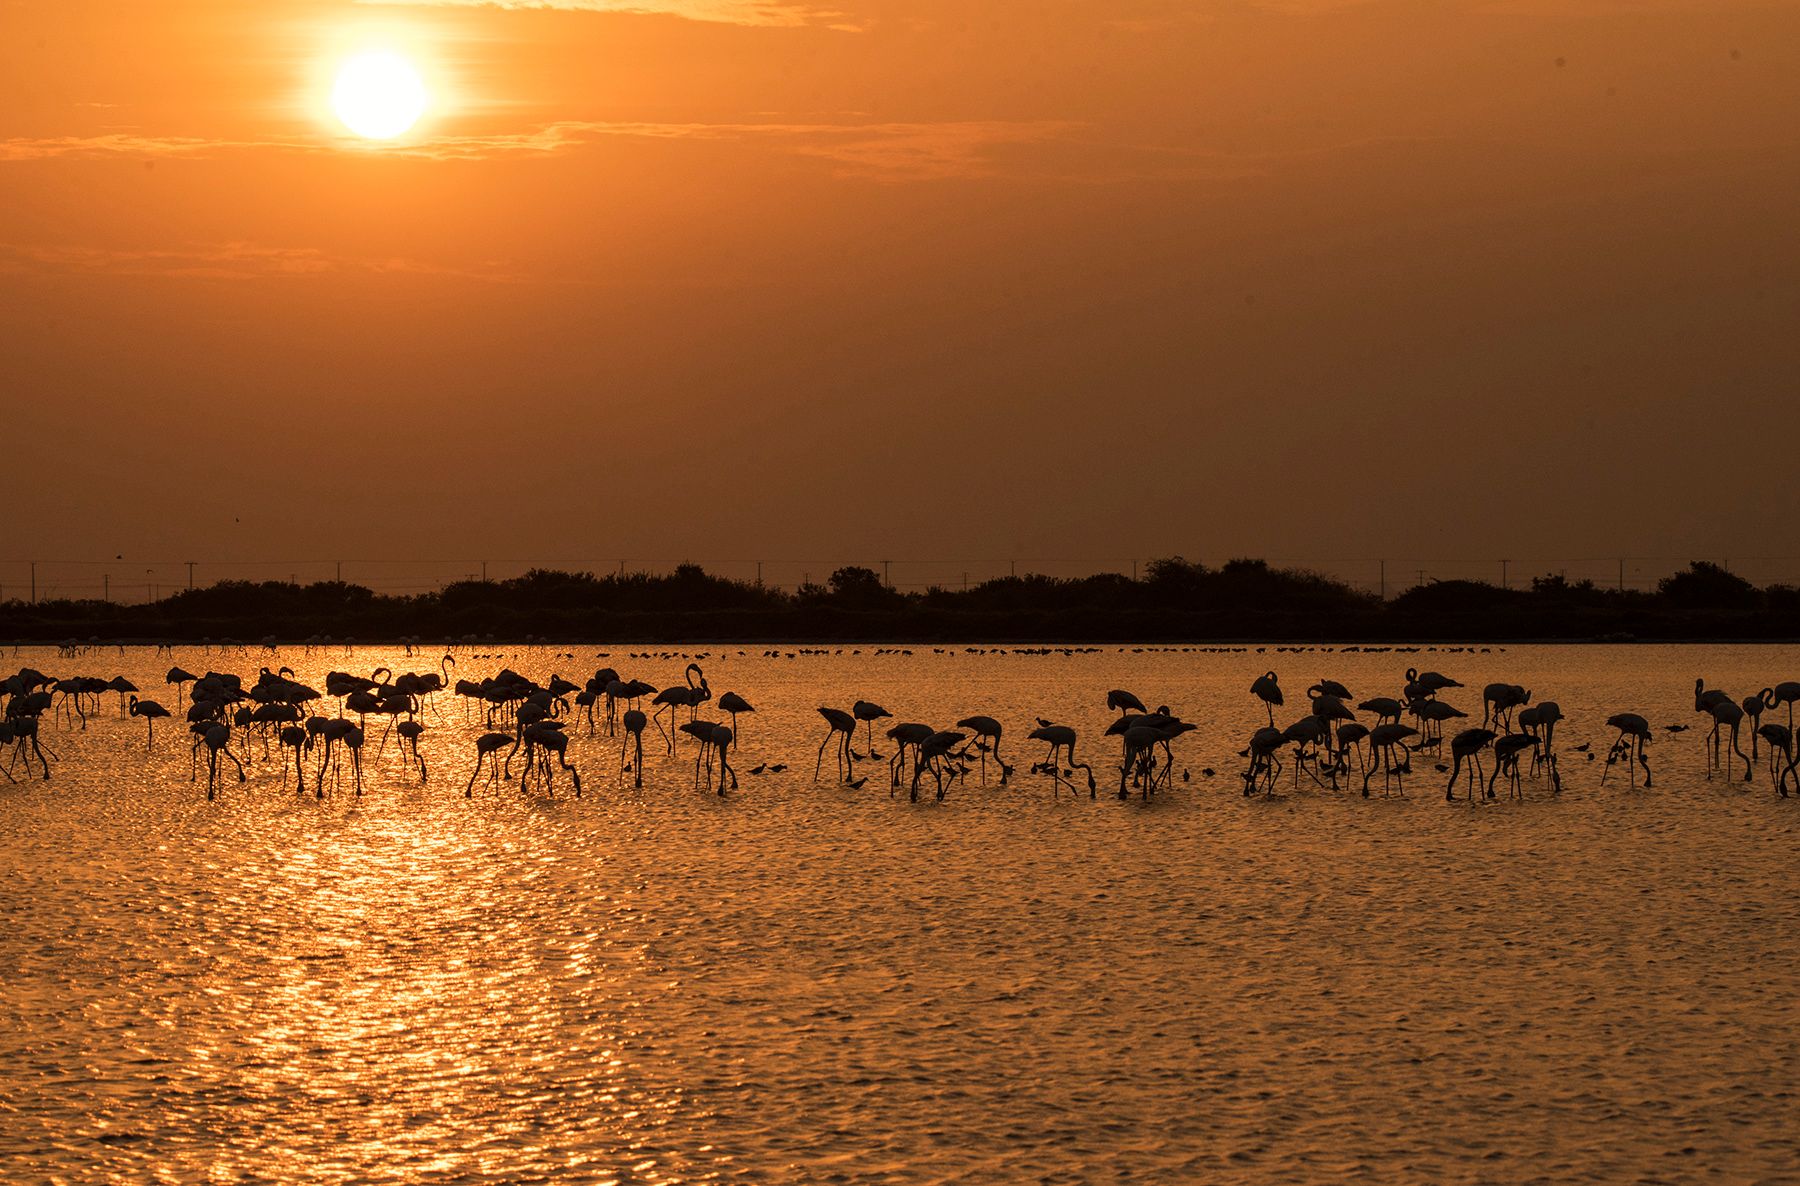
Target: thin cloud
{"x": 887, "y": 151}
{"x": 894, "y": 152}
{"x": 758, "y": 13}
{"x": 221, "y": 261}
{"x": 115, "y": 144}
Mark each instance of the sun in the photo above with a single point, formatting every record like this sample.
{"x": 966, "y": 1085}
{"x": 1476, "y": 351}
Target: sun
{"x": 378, "y": 95}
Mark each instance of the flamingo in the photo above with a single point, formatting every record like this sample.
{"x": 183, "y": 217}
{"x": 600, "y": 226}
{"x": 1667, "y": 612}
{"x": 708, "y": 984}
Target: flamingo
{"x": 1061, "y": 737}
{"x": 487, "y": 747}
{"x": 1267, "y": 689}
{"x": 409, "y": 734}
{"x": 217, "y": 739}
{"x": 987, "y": 732}
{"x": 1354, "y": 733}
{"x": 151, "y": 711}
{"x": 1507, "y": 751}
{"x": 1139, "y": 761}
{"x": 543, "y": 741}
{"x": 1264, "y": 752}
{"x": 1634, "y": 726}
{"x": 296, "y": 738}
{"x": 1124, "y": 702}
{"x": 1786, "y": 692}
{"x": 868, "y": 713}
{"x": 1753, "y": 708}
{"x": 1781, "y": 746}
{"x": 723, "y": 738}
{"x": 1429, "y": 683}
{"x": 1385, "y": 708}
{"x": 1307, "y": 733}
{"x": 1466, "y": 746}
{"x": 905, "y": 736}
{"x": 842, "y": 729}
{"x": 1384, "y": 739}
{"x": 179, "y": 677}
{"x": 634, "y": 722}
{"x": 1704, "y": 701}
{"x": 1540, "y": 721}
{"x": 1726, "y": 714}
{"x": 1432, "y": 712}
{"x": 1498, "y": 702}
{"x": 733, "y": 704}
{"x": 931, "y": 756}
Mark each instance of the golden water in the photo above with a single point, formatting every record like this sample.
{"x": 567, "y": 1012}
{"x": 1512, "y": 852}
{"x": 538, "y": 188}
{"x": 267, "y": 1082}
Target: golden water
{"x": 807, "y": 983}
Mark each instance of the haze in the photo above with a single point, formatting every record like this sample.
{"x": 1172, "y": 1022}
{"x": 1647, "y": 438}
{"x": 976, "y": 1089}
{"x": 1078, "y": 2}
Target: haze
{"x": 721, "y": 278}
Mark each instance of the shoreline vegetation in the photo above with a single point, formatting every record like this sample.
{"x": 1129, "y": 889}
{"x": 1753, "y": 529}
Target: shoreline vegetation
{"x": 1174, "y": 601}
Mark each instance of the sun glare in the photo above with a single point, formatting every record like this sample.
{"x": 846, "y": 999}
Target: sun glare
{"x": 378, "y": 95}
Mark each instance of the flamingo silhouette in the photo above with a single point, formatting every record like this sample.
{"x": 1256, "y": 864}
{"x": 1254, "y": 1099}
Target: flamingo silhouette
{"x": 1633, "y": 726}
{"x": 842, "y": 729}
{"x": 932, "y": 753}
{"x": 1267, "y": 689}
{"x": 1466, "y": 747}
{"x": 987, "y": 732}
{"x": 487, "y": 749}
{"x": 1264, "y": 752}
{"x": 1384, "y": 739}
{"x": 733, "y": 704}
{"x": 1061, "y": 738}
{"x": 1726, "y": 714}
{"x": 1507, "y": 751}
{"x": 868, "y": 713}
{"x": 151, "y": 711}
{"x": 634, "y": 722}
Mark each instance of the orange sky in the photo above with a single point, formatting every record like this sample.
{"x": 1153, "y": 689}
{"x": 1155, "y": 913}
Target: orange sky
{"x": 723, "y": 278}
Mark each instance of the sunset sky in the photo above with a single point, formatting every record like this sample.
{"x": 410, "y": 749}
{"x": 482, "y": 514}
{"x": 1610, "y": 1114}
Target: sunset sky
{"x": 726, "y": 278}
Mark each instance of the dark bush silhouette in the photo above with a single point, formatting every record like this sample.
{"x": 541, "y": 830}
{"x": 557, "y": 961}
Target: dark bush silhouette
{"x": 1175, "y": 600}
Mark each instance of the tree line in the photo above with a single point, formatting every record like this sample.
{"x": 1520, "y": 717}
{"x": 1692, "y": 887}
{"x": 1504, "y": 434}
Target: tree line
{"x": 1173, "y": 600}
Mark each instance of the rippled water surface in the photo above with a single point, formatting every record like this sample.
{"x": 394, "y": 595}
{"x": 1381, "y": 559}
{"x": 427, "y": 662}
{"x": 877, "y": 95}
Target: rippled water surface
{"x": 802, "y": 982}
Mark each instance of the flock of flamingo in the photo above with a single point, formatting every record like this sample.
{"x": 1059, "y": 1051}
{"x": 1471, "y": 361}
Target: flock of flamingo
{"x": 320, "y": 733}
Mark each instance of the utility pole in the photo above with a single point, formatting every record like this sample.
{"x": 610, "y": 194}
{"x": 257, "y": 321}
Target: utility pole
{"x": 1503, "y": 580}
{"x": 1621, "y": 576}
{"x": 1383, "y": 564}
{"x": 1134, "y": 571}
{"x": 965, "y": 582}
{"x": 1421, "y": 576}
{"x": 1015, "y": 568}
{"x": 759, "y": 574}
{"x": 190, "y": 568}
{"x": 34, "y": 582}
{"x": 885, "y": 581}
{"x": 106, "y": 586}
{"x": 622, "y": 570}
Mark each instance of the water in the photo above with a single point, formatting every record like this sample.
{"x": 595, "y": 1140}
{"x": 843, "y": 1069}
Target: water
{"x": 807, "y": 983}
